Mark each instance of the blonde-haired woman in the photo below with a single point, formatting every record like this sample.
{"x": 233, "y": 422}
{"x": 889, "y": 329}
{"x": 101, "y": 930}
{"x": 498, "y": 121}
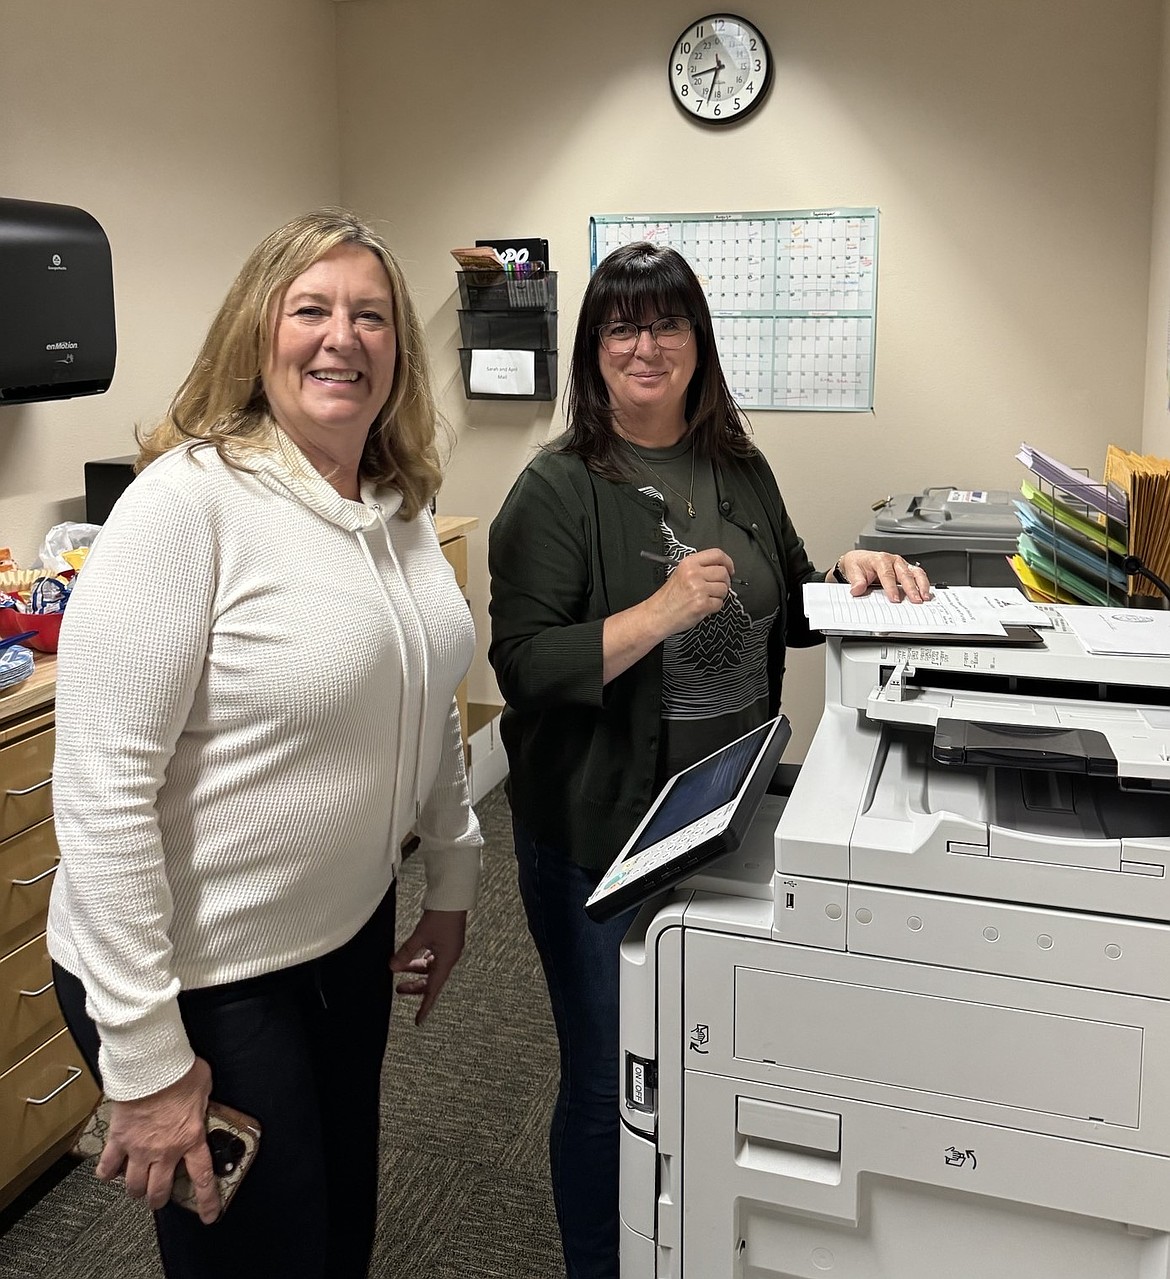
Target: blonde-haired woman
{"x": 240, "y": 756}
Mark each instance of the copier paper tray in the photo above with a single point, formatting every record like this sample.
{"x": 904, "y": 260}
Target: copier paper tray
{"x": 941, "y": 828}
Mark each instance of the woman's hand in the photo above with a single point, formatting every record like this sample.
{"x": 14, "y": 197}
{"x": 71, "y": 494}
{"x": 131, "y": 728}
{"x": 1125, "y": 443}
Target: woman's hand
{"x": 150, "y": 1136}
{"x": 696, "y": 588}
{"x": 899, "y": 579}
{"x": 428, "y": 955}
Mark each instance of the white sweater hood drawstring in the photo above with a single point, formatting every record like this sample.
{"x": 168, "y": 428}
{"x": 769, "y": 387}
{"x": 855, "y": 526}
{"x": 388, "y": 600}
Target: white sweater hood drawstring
{"x": 286, "y": 468}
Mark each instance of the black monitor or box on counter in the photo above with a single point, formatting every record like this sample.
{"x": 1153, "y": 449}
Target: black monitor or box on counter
{"x": 960, "y": 536}
{"x": 105, "y": 481}
{"x": 57, "y": 337}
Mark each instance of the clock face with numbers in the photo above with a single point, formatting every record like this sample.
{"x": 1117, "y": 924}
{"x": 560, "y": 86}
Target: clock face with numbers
{"x": 720, "y": 69}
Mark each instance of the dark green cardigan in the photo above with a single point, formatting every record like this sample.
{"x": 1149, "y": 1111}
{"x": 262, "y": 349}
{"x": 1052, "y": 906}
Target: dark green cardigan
{"x": 563, "y": 556}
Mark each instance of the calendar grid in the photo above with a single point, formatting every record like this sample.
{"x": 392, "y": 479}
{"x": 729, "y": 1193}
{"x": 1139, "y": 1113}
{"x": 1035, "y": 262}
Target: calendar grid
{"x": 793, "y": 297}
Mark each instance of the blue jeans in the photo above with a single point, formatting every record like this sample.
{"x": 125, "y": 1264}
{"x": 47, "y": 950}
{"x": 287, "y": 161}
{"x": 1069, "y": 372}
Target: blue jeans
{"x": 580, "y": 960}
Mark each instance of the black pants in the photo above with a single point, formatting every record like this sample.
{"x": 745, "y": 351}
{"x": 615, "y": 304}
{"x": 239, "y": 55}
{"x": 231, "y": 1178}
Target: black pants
{"x": 301, "y": 1050}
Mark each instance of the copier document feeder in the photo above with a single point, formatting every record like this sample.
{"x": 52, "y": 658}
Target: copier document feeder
{"x": 918, "y": 1025}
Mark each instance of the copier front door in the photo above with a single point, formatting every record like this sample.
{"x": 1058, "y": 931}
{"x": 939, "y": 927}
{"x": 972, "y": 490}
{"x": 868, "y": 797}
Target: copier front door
{"x": 937, "y": 1044}
{"x": 854, "y": 1116}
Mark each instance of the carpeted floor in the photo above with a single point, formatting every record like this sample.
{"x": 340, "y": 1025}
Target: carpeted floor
{"x": 465, "y": 1107}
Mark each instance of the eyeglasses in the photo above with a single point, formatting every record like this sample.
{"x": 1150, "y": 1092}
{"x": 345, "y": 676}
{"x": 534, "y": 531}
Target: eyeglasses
{"x": 620, "y": 337}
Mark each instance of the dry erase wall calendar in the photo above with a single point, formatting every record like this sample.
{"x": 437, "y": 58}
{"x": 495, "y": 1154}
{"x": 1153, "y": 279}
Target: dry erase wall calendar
{"x": 793, "y": 297}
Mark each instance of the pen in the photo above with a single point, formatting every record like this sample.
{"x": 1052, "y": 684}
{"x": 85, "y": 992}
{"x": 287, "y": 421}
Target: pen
{"x": 665, "y": 559}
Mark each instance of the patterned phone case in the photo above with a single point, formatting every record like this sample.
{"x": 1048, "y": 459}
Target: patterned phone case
{"x": 234, "y": 1139}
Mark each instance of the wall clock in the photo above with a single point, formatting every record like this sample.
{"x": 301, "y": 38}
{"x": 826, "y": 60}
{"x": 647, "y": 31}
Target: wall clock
{"x": 720, "y": 69}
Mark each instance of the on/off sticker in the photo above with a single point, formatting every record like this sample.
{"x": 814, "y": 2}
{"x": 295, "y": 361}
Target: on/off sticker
{"x": 641, "y": 1083}
{"x": 967, "y": 495}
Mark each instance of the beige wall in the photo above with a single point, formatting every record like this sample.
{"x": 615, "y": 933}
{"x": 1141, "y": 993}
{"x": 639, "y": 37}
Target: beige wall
{"x": 1008, "y": 143}
{"x": 189, "y": 130}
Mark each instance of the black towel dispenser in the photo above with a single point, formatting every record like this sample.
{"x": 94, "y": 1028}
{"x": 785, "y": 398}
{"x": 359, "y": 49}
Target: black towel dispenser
{"x": 57, "y": 337}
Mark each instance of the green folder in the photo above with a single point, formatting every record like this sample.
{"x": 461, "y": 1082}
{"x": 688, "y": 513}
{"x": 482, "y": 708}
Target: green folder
{"x": 1062, "y": 514}
{"x": 1037, "y": 560}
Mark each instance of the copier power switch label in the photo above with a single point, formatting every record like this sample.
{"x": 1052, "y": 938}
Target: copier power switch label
{"x": 641, "y": 1083}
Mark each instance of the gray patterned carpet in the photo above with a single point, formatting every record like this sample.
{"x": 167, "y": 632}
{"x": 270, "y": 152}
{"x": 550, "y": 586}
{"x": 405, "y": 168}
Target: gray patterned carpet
{"x": 464, "y": 1186}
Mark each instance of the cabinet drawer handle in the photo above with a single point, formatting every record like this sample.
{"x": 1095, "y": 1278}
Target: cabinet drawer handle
{"x": 36, "y": 879}
{"x": 28, "y": 790}
{"x": 32, "y": 994}
{"x": 74, "y": 1073}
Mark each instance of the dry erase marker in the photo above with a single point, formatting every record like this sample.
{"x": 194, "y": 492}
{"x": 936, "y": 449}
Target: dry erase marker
{"x": 665, "y": 559}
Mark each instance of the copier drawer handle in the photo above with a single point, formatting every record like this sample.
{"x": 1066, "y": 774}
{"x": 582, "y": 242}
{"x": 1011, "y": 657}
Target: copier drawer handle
{"x": 791, "y": 1126}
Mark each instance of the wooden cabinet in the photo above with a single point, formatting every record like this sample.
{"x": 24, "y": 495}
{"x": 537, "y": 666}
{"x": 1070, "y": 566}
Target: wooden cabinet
{"x": 45, "y": 1089}
{"x": 453, "y": 530}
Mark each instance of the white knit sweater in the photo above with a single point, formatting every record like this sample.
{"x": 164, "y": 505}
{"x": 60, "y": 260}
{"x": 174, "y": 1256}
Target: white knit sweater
{"x": 255, "y": 704}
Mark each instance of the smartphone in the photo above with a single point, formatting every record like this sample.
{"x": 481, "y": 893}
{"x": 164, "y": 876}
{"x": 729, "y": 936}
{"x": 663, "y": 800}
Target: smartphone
{"x": 232, "y": 1137}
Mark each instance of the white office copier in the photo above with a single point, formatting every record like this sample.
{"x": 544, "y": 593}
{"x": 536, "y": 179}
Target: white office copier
{"x": 918, "y": 1025}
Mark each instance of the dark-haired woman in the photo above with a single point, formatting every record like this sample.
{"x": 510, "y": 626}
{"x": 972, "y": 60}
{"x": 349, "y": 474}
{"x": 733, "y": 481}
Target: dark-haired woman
{"x": 618, "y": 670}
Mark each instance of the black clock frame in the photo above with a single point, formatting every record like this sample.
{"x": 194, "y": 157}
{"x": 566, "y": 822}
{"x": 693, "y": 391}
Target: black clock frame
{"x": 717, "y": 121}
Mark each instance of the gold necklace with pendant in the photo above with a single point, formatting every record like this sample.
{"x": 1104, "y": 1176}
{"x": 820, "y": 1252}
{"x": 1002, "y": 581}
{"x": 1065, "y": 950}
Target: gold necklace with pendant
{"x": 688, "y": 500}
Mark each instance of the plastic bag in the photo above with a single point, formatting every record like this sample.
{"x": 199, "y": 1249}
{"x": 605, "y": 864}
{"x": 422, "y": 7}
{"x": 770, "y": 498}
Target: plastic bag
{"x": 65, "y": 537}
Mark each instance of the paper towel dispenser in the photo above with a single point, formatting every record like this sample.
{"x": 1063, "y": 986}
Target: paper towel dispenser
{"x": 57, "y": 336}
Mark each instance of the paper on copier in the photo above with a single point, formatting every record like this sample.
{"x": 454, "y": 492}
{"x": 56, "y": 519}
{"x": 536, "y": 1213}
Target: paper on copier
{"x": 957, "y": 610}
{"x": 1124, "y": 632}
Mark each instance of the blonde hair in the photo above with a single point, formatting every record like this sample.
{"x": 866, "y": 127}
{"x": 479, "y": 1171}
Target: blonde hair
{"x": 222, "y": 402}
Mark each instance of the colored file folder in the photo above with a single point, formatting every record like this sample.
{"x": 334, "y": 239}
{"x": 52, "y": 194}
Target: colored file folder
{"x": 1146, "y": 480}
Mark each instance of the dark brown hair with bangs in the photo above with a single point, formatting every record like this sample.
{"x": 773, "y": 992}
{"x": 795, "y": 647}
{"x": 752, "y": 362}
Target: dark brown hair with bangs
{"x": 640, "y": 282}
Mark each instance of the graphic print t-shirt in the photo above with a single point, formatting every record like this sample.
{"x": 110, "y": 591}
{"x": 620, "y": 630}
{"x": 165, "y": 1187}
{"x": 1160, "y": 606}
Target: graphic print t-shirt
{"x": 714, "y": 675}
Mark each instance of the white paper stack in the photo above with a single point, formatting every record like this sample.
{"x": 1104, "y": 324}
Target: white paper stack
{"x": 1125, "y": 632}
{"x": 956, "y": 610}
